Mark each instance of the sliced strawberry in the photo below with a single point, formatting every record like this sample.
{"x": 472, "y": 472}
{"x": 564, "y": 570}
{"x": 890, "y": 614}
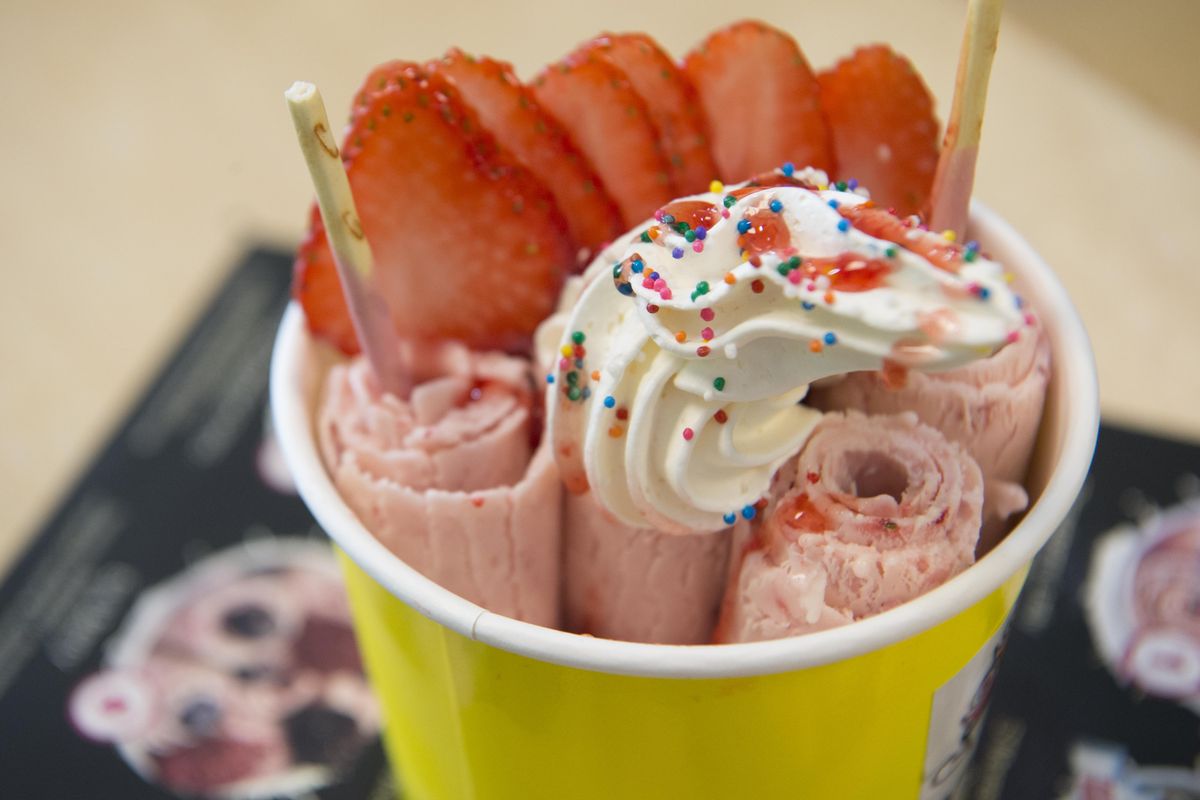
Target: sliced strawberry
{"x": 760, "y": 100}
{"x": 316, "y": 285}
{"x": 509, "y": 110}
{"x": 672, "y": 102}
{"x": 387, "y": 74}
{"x": 884, "y": 130}
{"x": 610, "y": 124}
{"x": 467, "y": 244}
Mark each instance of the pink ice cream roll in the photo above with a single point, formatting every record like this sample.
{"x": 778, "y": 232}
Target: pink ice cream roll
{"x": 882, "y": 509}
{"x": 1166, "y": 583}
{"x": 639, "y": 584}
{"x": 992, "y": 407}
{"x": 448, "y": 479}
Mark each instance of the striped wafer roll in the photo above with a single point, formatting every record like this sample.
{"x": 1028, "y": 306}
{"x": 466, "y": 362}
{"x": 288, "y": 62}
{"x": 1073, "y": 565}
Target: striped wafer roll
{"x": 882, "y": 509}
{"x": 448, "y": 478}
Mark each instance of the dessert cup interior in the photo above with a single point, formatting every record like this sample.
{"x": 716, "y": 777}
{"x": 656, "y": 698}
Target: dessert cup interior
{"x": 1060, "y": 463}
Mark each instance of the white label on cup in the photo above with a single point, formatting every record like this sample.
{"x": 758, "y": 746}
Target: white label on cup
{"x": 956, "y": 719}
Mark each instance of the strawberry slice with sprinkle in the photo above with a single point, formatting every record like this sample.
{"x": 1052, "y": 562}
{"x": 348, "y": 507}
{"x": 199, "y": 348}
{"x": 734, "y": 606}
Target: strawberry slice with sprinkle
{"x": 760, "y": 99}
{"x": 611, "y": 125}
{"x": 509, "y": 110}
{"x": 468, "y": 244}
{"x": 672, "y": 102}
{"x": 884, "y": 129}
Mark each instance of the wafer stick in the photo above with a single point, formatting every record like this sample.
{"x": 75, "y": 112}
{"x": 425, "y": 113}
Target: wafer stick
{"x": 351, "y": 251}
{"x": 955, "y": 174}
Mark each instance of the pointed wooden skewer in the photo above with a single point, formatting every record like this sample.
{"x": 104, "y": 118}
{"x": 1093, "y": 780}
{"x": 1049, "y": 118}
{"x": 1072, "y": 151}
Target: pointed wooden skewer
{"x": 351, "y": 251}
{"x": 955, "y": 176}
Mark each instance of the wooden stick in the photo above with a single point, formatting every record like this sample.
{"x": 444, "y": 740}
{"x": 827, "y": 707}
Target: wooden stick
{"x": 955, "y": 175}
{"x": 351, "y": 251}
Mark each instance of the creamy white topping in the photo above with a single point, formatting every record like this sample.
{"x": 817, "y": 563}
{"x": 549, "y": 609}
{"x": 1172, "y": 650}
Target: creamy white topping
{"x": 677, "y": 396}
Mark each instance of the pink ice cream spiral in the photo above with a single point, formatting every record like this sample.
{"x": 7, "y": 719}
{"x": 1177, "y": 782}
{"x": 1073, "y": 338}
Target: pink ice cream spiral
{"x": 992, "y": 407}
{"x": 882, "y": 509}
{"x": 448, "y": 479}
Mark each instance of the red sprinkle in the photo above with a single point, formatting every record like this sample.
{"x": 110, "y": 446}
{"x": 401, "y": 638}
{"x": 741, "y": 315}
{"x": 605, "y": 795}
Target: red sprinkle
{"x": 707, "y": 314}
{"x": 703, "y": 350}
{"x": 688, "y": 433}
{"x": 650, "y": 307}
{"x": 721, "y": 416}
{"x": 622, "y": 413}
{"x": 756, "y": 286}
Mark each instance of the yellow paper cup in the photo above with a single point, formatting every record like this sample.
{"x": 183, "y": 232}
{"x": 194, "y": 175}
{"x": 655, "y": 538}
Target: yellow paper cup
{"x": 483, "y": 706}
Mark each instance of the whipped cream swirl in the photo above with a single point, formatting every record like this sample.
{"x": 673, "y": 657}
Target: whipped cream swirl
{"x": 675, "y": 389}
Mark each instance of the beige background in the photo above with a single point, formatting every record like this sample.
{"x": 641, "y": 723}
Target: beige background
{"x": 145, "y": 145}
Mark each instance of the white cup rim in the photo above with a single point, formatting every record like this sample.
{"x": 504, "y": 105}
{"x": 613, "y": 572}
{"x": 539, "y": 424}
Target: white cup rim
{"x": 1074, "y": 367}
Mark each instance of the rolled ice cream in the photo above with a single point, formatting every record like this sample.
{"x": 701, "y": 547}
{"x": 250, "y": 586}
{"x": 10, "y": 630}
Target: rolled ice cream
{"x": 718, "y": 317}
{"x": 881, "y": 510}
{"x": 639, "y": 584}
{"x": 450, "y": 479}
{"x": 992, "y": 407}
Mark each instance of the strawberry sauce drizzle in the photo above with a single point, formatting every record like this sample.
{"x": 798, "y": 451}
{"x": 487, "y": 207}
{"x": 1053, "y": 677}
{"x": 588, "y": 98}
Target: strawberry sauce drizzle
{"x": 695, "y": 213}
{"x": 884, "y": 225}
{"x": 894, "y": 374}
{"x": 799, "y": 513}
{"x": 848, "y": 272}
{"x": 768, "y": 231}
{"x": 768, "y": 180}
